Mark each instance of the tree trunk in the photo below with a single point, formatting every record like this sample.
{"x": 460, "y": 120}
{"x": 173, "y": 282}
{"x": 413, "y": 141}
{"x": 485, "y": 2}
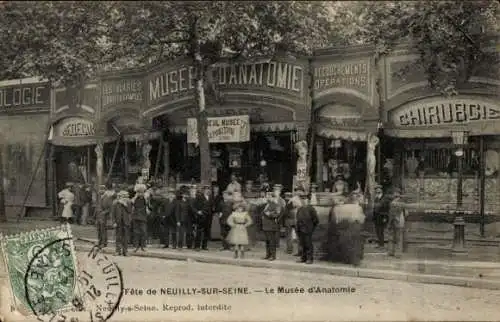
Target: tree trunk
{"x": 202, "y": 124}
{"x": 3, "y": 215}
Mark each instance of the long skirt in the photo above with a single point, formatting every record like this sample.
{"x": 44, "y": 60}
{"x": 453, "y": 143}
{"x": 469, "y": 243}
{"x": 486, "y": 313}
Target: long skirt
{"x": 344, "y": 242}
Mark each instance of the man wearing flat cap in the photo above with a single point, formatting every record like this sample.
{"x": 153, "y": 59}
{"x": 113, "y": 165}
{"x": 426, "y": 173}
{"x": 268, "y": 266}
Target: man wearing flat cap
{"x": 380, "y": 214}
{"x": 122, "y": 218}
{"x": 271, "y": 221}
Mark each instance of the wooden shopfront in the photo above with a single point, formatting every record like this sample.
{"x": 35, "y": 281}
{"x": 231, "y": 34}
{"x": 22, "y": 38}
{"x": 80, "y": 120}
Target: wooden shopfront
{"x": 24, "y": 127}
{"x": 423, "y": 123}
{"x": 122, "y": 98}
{"x": 345, "y": 114}
{"x": 265, "y": 101}
{"x": 73, "y": 136}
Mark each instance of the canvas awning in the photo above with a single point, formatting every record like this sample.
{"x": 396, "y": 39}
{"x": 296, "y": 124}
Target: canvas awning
{"x": 343, "y": 122}
{"x": 262, "y": 127}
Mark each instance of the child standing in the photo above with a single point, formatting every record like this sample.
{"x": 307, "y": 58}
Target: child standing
{"x": 239, "y": 220}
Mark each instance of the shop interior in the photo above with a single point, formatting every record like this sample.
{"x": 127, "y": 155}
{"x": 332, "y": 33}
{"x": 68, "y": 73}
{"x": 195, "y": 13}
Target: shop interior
{"x": 74, "y": 164}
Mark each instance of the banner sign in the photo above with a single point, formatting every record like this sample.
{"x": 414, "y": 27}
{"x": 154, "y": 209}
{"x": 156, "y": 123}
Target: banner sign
{"x": 221, "y": 129}
{"x": 75, "y": 127}
{"x": 443, "y": 112}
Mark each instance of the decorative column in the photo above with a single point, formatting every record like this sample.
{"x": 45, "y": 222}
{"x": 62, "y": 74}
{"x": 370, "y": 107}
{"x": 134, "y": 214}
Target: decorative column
{"x": 146, "y": 163}
{"x": 99, "y": 164}
{"x": 319, "y": 163}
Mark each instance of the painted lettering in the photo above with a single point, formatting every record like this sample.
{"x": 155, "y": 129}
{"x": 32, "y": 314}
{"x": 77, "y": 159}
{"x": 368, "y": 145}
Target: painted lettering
{"x": 446, "y": 113}
{"x": 351, "y": 75}
{"x": 23, "y": 96}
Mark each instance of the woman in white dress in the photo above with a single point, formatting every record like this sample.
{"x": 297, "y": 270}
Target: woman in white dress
{"x": 67, "y": 199}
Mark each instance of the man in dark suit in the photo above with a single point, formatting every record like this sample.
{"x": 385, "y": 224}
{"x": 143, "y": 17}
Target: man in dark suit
{"x": 202, "y": 211}
{"x": 184, "y": 220}
{"x": 271, "y": 224}
{"x": 107, "y": 196}
{"x": 307, "y": 220}
{"x": 381, "y": 207}
{"x": 168, "y": 219}
{"x": 122, "y": 219}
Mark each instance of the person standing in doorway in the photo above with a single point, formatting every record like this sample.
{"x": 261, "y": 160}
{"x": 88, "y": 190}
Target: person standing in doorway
{"x": 307, "y": 220}
{"x": 122, "y": 218}
{"x": 380, "y": 214}
{"x": 140, "y": 217}
{"x": 106, "y": 203}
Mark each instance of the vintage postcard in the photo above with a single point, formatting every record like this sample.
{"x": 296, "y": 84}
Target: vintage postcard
{"x": 249, "y": 160}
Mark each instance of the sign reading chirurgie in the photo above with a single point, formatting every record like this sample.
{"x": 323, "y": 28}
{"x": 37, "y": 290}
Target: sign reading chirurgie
{"x": 441, "y": 112}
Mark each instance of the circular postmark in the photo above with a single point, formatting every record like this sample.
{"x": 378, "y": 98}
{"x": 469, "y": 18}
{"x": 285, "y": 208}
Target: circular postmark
{"x": 61, "y": 287}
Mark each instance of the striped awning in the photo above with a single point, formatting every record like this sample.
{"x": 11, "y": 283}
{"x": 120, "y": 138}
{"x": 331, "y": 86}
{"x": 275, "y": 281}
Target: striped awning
{"x": 343, "y": 134}
{"x": 262, "y": 127}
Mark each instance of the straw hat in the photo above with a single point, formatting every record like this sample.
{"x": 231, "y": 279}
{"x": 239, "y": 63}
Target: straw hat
{"x": 123, "y": 194}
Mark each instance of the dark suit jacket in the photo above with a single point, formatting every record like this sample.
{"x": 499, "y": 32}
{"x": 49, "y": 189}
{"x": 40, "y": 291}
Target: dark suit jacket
{"x": 106, "y": 204}
{"x": 140, "y": 212}
{"x": 168, "y": 212}
{"x": 183, "y": 212}
{"x": 307, "y": 219}
{"x": 121, "y": 214}
{"x": 200, "y": 203}
{"x": 271, "y": 222}
{"x": 381, "y": 209}
{"x": 227, "y": 209}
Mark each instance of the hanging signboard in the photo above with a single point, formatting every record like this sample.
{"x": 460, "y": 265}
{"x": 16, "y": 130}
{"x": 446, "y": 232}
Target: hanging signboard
{"x": 222, "y": 129}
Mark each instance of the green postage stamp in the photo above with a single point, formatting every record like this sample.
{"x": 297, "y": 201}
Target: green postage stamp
{"x": 42, "y": 270}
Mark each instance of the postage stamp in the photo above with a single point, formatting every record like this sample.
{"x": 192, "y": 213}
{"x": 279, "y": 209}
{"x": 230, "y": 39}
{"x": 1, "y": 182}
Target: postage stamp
{"x": 49, "y": 280}
{"x": 55, "y": 283}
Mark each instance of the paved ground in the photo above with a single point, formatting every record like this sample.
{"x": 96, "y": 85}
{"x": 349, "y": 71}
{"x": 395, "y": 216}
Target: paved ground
{"x": 479, "y": 262}
{"x": 373, "y": 300}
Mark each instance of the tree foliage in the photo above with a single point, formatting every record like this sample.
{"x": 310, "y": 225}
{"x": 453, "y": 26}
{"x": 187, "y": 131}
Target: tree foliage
{"x": 449, "y": 36}
{"x": 60, "y": 41}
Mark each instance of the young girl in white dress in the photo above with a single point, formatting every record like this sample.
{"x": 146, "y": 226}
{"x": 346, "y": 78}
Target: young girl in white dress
{"x": 239, "y": 220}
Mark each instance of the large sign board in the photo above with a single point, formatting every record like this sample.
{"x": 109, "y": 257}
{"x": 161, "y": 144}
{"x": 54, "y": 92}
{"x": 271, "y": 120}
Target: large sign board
{"x": 445, "y": 112}
{"x": 15, "y": 98}
{"x": 222, "y": 129}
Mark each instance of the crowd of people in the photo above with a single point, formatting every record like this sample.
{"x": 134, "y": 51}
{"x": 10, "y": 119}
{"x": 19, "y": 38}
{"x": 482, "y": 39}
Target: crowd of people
{"x": 182, "y": 218}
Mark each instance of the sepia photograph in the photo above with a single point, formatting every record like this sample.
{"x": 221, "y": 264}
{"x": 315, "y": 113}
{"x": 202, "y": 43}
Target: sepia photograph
{"x": 249, "y": 161}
